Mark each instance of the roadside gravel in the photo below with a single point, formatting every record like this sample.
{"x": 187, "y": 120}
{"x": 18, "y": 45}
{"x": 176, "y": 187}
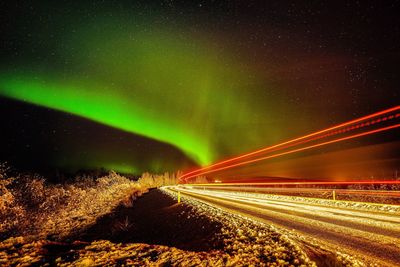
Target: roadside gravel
{"x": 252, "y": 242}
{"x": 321, "y": 254}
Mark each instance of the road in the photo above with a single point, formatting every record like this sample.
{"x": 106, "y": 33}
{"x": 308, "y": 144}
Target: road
{"x": 372, "y": 236}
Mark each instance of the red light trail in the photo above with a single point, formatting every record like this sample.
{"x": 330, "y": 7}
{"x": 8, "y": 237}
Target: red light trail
{"x": 354, "y": 125}
{"x": 305, "y": 183}
{"x": 271, "y": 187}
{"x": 295, "y": 150}
{"x": 256, "y": 188}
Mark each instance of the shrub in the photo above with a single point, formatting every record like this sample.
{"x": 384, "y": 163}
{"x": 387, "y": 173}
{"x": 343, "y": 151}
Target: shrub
{"x": 30, "y": 206}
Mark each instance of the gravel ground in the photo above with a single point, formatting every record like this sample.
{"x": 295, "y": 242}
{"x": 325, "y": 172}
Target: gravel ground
{"x": 244, "y": 243}
{"x": 106, "y": 253}
{"x": 253, "y": 242}
{"x": 236, "y": 240}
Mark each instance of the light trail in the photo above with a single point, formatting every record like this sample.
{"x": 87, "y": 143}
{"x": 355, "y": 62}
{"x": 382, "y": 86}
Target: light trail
{"x": 303, "y": 183}
{"x": 294, "y": 150}
{"x": 306, "y": 138}
{"x": 368, "y": 233}
{"x": 303, "y": 190}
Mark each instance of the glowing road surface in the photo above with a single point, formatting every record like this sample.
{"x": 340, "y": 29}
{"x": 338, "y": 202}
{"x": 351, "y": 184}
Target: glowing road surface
{"x": 372, "y": 236}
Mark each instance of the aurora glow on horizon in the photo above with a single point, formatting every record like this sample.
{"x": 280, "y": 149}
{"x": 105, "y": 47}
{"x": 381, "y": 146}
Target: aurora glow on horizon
{"x": 207, "y": 84}
{"x": 152, "y": 86}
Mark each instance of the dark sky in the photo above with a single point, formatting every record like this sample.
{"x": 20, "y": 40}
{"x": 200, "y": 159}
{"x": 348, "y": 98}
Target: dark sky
{"x": 145, "y": 85}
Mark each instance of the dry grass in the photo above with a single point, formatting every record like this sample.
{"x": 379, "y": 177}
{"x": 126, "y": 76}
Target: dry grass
{"x": 31, "y": 207}
{"x": 149, "y": 180}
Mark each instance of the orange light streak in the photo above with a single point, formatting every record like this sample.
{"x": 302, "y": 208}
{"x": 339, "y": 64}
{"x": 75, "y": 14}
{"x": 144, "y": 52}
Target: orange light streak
{"x": 295, "y": 150}
{"x": 378, "y": 193}
{"x": 302, "y": 183}
{"x": 270, "y": 148}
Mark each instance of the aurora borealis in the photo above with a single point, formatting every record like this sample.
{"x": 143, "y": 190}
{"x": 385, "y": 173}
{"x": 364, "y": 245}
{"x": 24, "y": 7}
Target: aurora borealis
{"x": 183, "y": 84}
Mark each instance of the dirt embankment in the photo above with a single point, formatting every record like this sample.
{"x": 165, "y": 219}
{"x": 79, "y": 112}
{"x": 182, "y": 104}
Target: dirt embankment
{"x": 153, "y": 228}
{"x": 156, "y": 231}
{"x": 157, "y": 219}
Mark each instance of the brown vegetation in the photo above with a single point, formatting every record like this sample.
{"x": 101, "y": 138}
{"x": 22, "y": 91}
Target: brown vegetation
{"x": 31, "y": 207}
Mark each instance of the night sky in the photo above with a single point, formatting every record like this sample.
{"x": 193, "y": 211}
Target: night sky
{"x": 159, "y": 86}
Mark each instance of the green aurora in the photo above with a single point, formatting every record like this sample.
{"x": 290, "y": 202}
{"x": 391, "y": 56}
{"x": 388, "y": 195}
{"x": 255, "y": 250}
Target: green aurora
{"x": 159, "y": 84}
